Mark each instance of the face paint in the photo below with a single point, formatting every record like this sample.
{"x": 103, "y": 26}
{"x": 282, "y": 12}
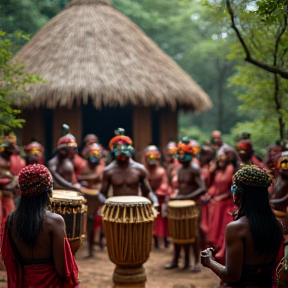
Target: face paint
{"x": 123, "y": 151}
{"x": 183, "y": 156}
{"x": 235, "y": 191}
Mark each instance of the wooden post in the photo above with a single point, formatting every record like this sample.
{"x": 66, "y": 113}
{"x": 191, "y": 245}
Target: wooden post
{"x": 71, "y": 117}
{"x": 168, "y": 127}
{"x": 33, "y": 128}
{"x": 142, "y": 130}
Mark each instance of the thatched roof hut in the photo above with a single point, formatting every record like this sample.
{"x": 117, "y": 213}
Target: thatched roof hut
{"x": 91, "y": 53}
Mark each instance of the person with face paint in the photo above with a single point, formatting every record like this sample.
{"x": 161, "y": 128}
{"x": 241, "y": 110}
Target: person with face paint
{"x": 61, "y": 165}
{"x": 158, "y": 181}
{"x": 91, "y": 177}
{"x": 253, "y": 239}
{"x": 216, "y": 202}
{"x": 246, "y": 153}
{"x": 190, "y": 187}
{"x": 126, "y": 176}
{"x": 34, "y": 153}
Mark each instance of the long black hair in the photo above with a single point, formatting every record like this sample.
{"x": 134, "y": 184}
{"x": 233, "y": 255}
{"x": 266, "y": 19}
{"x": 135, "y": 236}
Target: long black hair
{"x": 265, "y": 228}
{"x": 28, "y": 218}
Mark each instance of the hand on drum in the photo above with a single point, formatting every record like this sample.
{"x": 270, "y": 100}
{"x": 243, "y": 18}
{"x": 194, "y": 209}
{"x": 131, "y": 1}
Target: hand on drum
{"x": 206, "y": 256}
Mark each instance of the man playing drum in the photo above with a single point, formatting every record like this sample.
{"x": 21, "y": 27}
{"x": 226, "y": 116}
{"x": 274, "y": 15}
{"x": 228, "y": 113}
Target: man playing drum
{"x": 91, "y": 177}
{"x": 190, "y": 187}
{"x": 124, "y": 174}
{"x": 61, "y": 165}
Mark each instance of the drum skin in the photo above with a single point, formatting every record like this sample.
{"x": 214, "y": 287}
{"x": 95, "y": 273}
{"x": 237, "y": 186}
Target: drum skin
{"x": 128, "y": 228}
{"x": 182, "y": 221}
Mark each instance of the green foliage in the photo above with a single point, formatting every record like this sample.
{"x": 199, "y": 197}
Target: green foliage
{"x": 12, "y": 83}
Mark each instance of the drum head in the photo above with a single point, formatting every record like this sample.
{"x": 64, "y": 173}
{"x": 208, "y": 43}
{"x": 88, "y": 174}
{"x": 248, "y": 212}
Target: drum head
{"x": 66, "y": 194}
{"x": 122, "y": 200}
{"x": 181, "y": 203}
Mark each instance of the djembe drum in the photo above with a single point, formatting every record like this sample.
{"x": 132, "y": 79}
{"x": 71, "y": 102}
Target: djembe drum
{"x": 128, "y": 228}
{"x": 70, "y": 205}
{"x": 182, "y": 221}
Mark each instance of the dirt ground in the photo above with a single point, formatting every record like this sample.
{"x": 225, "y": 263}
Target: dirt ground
{"x": 97, "y": 272}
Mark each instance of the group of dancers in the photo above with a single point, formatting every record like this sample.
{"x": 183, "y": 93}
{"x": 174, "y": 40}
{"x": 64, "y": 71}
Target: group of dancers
{"x": 183, "y": 171}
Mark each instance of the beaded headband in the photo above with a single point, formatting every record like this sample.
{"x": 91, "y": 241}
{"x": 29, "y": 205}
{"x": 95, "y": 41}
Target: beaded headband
{"x": 251, "y": 175}
{"x": 67, "y": 141}
{"x": 152, "y": 152}
{"x": 34, "y": 180}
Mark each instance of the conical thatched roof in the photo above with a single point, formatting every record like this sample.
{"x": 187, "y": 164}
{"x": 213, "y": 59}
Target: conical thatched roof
{"x": 92, "y": 50}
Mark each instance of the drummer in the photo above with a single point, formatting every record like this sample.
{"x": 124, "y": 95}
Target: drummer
{"x": 190, "y": 187}
{"x": 61, "y": 165}
{"x": 126, "y": 176}
{"x": 91, "y": 177}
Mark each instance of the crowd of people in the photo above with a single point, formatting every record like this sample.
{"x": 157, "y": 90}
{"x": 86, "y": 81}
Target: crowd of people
{"x": 183, "y": 171}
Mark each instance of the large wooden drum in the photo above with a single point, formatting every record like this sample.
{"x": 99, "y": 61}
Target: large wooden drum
{"x": 128, "y": 228}
{"x": 70, "y": 205}
{"x": 182, "y": 221}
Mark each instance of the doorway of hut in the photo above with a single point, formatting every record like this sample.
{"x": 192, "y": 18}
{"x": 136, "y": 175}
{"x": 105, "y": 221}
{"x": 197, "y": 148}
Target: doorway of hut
{"x": 104, "y": 122}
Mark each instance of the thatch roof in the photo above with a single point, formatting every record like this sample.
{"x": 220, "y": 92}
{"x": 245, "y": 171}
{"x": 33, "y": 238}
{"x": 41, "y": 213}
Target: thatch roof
{"x": 92, "y": 50}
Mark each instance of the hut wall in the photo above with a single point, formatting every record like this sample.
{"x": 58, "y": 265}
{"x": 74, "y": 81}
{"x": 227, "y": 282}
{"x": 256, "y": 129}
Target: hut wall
{"x": 142, "y": 130}
{"x": 71, "y": 117}
{"x": 33, "y": 128}
{"x": 168, "y": 127}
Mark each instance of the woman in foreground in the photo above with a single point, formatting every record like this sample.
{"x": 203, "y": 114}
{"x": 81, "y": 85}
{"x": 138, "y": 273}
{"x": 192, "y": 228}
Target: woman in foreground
{"x": 253, "y": 239}
{"x": 35, "y": 249}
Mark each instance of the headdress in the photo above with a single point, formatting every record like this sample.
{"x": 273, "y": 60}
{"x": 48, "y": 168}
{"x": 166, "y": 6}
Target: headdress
{"x": 244, "y": 145}
{"x": 35, "y": 180}
{"x": 186, "y": 146}
{"x": 34, "y": 149}
{"x": 251, "y": 175}
{"x": 11, "y": 137}
{"x": 67, "y": 141}
{"x": 283, "y": 161}
{"x": 152, "y": 154}
{"x": 120, "y": 138}
{"x": 92, "y": 151}
{"x": 196, "y": 147}
{"x": 171, "y": 148}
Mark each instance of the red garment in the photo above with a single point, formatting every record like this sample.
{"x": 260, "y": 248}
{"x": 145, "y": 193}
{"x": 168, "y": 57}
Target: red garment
{"x": 160, "y": 223}
{"x": 213, "y": 224}
{"x": 7, "y": 203}
{"x": 37, "y": 276}
{"x": 16, "y": 164}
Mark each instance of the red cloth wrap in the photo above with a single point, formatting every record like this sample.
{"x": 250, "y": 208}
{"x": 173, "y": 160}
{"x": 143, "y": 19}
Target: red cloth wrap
{"x": 160, "y": 223}
{"x": 16, "y": 164}
{"x": 214, "y": 213}
{"x": 41, "y": 275}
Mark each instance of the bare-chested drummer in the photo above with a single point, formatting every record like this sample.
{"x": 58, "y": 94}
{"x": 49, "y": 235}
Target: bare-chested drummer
{"x": 61, "y": 165}
{"x": 126, "y": 176}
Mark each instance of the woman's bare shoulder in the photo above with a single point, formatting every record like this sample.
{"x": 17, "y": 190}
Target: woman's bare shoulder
{"x": 54, "y": 218}
{"x": 239, "y": 226}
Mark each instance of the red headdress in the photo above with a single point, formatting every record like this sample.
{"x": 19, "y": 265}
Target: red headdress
{"x": 244, "y": 144}
{"x": 120, "y": 139}
{"x": 34, "y": 149}
{"x": 67, "y": 141}
{"x": 35, "y": 180}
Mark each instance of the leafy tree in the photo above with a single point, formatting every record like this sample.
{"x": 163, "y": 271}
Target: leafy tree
{"x": 262, "y": 33}
{"x": 12, "y": 83}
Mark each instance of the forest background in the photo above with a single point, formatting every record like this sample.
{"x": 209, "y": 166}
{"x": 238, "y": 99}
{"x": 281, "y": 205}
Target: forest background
{"x": 248, "y": 96}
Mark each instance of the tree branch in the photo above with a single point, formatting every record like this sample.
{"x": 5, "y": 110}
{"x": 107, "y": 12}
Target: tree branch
{"x": 249, "y": 59}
